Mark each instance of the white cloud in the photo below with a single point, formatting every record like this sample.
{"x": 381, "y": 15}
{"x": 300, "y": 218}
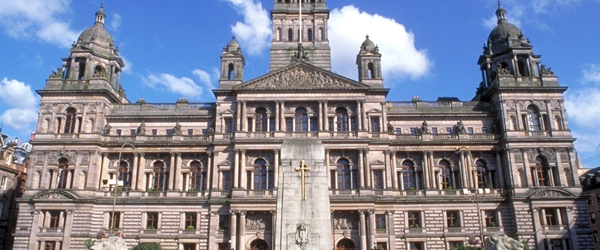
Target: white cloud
{"x": 207, "y": 79}
{"x": 115, "y": 21}
{"x": 128, "y": 69}
{"x": 254, "y": 34}
{"x": 184, "y": 86}
{"x": 40, "y": 18}
{"x": 585, "y": 116}
{"x": 592, "y": 74}
{"x": 23, "y": 102}
{"x": 347, "y": 30}
{"x": 551, "y": 6}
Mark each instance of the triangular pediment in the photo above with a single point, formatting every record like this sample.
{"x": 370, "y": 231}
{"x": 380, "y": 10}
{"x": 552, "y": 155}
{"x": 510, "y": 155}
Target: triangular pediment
{"x": 301, "y": 76}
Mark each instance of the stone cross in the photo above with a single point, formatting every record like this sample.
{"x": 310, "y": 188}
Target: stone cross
{"x": 302, "y": 169}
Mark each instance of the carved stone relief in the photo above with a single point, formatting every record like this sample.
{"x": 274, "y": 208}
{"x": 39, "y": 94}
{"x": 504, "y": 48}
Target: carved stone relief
{"x": 335, "y": 155}
{"x": 55, "y": 155}
{"x": 186, "y": 159}
{"x": 39, "y": 157}
{"x": 549, "y": 153}
{"x": 345, "y": 220}
{"x": 518, "y": 155}
{"x": 299, "y": 78}
{"x": 85, "y": 156}
{"x": 52, "y": 195}
{"x": 151, "y": 158}
{"x": 252, "y": 156}
{"x": 258, "y": 221}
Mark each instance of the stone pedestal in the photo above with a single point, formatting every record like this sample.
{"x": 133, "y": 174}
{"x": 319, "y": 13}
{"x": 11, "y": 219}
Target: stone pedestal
{"x": 303, "y": 224}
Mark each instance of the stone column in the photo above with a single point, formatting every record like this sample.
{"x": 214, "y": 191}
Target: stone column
{"x": 213, "y": 228}
{"x": 383, "y": 117}
{"x": 282, "y": 116}
{"x": 215, "y": 170}
{"x": 171, "y": 172}
{"x": 67, "y": 229}
{"x": 273, "y": 227}
{"x": 178, "y": 178}
{"x": 331, "y": 185}
{"x": 142, "y": 172}
{"x": 367, "y": 170}
{"x": 243, "y": 174}
{"x": 322, "y": 116}
{"x": 233, "y": 227}
{"x": 363, "y": 229}
{"x": 238, "y": 116}
{"x": 499, "y": 171}
{"x": 361, "y": 168}
{"x": 236, "y": 166}
{"x": 537, "y": 226}
{"x": 275, "y": 168}
{"x": 391, "y": 229}
{"x": 325, "y": 117}
{"x": 242, "y": 236}
{"x": 103, "y": 169}
{"x": 394, "y": 170}
{"x": 244, "y": 117}
{"x": 134, "y": 172}
{"x": 358, "y": 116}
{"x": 388, "y": 170}
{"x": 371, "y": 228}
{"x": 34, "y": 228}
{"x": 277, "y": 117}
{"x": 571, "y": 226}
{"x": 520, "y": 125}
{"x": 209, "y": 168}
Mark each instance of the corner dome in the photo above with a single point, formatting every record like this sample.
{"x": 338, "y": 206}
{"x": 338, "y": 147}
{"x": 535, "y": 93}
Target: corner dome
{"x": 97, "y": 33}
{"x": 367, "y": 45}
{"x": 233, "y": 46}
{"x": 504, "y": 30}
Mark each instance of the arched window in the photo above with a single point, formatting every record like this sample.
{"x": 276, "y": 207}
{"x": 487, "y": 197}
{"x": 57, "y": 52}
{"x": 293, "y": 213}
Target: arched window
{"x": 258, "y": 244}
{"x": 196, "y": 176}
{"x": 346, "y": 178}
{"x": 261, "y": 120}
{"x": 230, "y": 72}
{"x": 559, "y": 123}
{"x": 160, "y": 181}
{"x": 341, "y": 119}
{"x": 542, "y": 172}
{"x": 63, "y": 173}
{"x": 301, "y": 120}
{"x": 482, "y": 174}
{"x": 533, "y": 118}
{"x": 263, "y": 178}
{"x": 345, "y": 244}
{"x": 371, "y": 74}
{"x": 310, "y": 35}
{"x": 409, "y": 175}
{"x": 445, "y": 174}
{"x": 70, "y": 121}
{"x": 123, "y": 174}
{"x": 290, "y": 35}
{"x": 322, "y": 34}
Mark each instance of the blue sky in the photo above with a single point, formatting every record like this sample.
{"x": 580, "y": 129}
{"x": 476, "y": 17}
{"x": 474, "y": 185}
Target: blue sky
{"x": 172, "y": 48}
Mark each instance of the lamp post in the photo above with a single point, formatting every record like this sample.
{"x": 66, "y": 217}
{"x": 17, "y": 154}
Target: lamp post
{"x": 112, "y": 217}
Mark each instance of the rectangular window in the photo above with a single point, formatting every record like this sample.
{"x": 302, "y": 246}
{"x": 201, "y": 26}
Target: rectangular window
{"x": 152, "y": 220}
{"x": 375, "y": 128}
{"x": 189, "y": 246}
{"x": 378, "y": 179}
{"x": 191, "y": 132}
{"x": 398, "y": 131}
{"x": 226, "y": 180}
{"x": 289, "y": 124}
{"x": 415, "y": 246}
{"x": 330, "y": 122}
{"x": 132, "y": 132}
{"x": 452, "y": 219}
{"x": 114, "y": 222}
{"x": 50, "y": 245}
{"x": 448, "y": 130}
{"x": 353, "y": 124}
{"x": 272, "y": 124}
{"x": 250, "y": 124}
{"x": 470, "y": 130}
{"x": 413, "y": 131}
{"x": 118, "y": 132}
{"x": 484, "y": 130}
{"x": 551, "y": 216}
{"x": 223, "y": 222}
{"x": 434, "y": 131}
{"x": 556, "y": 244}
{"x": 169, "y": 132}
{"x": 380, "y": 221}
{"x": 314, "y": 122}
{"x": 228, "y": 125}
{"x": 490, "y": 218}
{"x": 154, "y": 132}
{"x": 414, "y": 220}
{"x": 190, "y": 221}
{"x": 54, "y": 219}
{"x": 381, "y": 246}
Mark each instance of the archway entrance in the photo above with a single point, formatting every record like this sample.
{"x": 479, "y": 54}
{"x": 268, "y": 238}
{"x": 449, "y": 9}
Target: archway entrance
{"x": 345, "y": 244}
{"x": 258, "y": 244}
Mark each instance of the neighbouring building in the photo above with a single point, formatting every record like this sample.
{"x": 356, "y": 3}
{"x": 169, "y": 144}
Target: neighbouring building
{"x": 14, "y": 161}
{"x": 590, "y": 181}
{"x": 400, "y": 174}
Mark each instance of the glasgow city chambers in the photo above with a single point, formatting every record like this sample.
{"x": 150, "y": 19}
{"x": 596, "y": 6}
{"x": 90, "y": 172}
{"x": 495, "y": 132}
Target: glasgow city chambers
{"x": 385, "y": 174}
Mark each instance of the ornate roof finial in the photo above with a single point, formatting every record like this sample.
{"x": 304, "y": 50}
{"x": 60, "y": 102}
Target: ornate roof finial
{"x": 500, "y": 13}
{"x": 100, "y": 15}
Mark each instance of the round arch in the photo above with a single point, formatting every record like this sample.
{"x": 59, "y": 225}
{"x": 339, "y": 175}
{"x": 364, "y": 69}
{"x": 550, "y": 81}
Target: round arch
{"x": 258, "y": 244}
{"x": 345, "y": 244}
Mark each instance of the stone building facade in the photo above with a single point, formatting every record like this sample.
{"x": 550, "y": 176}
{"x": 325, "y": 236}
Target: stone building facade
{"x": 591, "y": 187}
{"x": 14, "y": 160}
{"x": 402, "y": 174}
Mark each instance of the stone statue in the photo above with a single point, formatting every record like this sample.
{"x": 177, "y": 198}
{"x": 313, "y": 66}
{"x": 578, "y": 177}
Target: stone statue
{"x": 424, "y": 128}
{"x": 106, "y": 129}
{"x": 546, "y": 71}
{"x": 59, "y": 73}
{"x": 110, "y": 243}
{"x": 502, "y": 70}
{"x": 390, "y": 128}
{"x": 177, "y": 129}
{"x": 460, "y": 127}
{"x": 141, "y": 130}
{"x": 503, "y": 242}
{"x": 302, "y": 236}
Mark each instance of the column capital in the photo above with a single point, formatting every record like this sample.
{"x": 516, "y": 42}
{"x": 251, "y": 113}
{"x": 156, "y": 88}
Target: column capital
{"x": 233, "y": 211}
{"x": 361, "y": 212}
{"x": 276, "y": 151}
{"x": 273, "y": 211}
{"x": 178, "y": 154}
{"x": 390, "y": 212}
{"x": 209, "y": 153}
{"x": 242, "y": 212}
